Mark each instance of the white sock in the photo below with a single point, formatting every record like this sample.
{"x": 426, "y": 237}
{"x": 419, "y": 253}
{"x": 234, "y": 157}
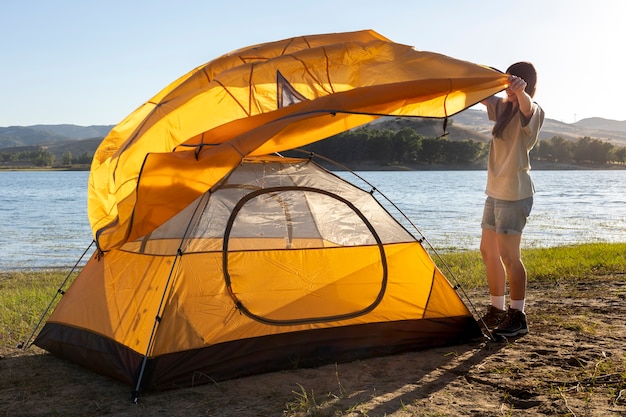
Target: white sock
{"x": 518, "y": 304}
{"x": 498, "y": 301}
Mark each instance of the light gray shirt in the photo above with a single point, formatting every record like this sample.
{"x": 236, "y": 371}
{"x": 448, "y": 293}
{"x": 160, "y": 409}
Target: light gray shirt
{"x": 508, "y": 170}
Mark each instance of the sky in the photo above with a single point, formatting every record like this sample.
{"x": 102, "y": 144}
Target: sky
{"x": 87, "y": 62}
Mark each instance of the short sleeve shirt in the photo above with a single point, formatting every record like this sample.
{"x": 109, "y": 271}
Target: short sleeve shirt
{"x": 508, "y": 170}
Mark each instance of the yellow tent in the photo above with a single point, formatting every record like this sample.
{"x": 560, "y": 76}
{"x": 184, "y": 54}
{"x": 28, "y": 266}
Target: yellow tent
{"x": 216, "y": 261}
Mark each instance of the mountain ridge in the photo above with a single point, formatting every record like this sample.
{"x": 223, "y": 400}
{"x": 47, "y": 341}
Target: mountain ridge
{"x": 613, "y": 131}
{"x": 470, "y": 124}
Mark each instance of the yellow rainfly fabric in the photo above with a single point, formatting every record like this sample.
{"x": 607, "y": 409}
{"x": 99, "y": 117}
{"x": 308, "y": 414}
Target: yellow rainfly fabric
{"x": 119, "y": 300}
{"x": 200, "y": 311}
{"x": 232, "y": 106}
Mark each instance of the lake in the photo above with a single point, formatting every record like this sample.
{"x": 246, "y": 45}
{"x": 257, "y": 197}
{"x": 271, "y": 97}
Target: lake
{"x": 43, "y": 214}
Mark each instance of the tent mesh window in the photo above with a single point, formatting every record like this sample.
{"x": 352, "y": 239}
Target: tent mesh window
{"x": 275, "y": 205}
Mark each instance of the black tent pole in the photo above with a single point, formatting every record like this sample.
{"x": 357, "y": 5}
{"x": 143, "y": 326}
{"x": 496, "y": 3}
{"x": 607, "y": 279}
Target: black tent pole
{"x": 24, "y": 345}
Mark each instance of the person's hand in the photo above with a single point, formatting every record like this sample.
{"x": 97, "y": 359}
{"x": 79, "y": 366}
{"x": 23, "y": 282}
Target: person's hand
{"x": 515, "y": 93}
{"x": 516, "y": 85}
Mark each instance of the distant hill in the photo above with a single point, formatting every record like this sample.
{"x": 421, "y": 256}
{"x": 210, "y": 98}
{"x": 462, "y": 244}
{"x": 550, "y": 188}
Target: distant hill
{"x": 47, "y": 135}
{"x": 16, "y": 136}
{"x": 475, "y": 125}
{"x": 598, "y": 123}
{"x": 75, "y": 132}
{"x": 470, "y": 124}
{"x": 603, "y": 129}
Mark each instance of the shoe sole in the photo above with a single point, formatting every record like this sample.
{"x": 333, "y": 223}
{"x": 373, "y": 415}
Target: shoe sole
{"x": 492, "y": 327}
{"x": 519, "y": 332}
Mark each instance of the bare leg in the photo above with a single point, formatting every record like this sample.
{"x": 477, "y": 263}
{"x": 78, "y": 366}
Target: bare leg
{"x": 509, "y": 249}
{"x": 490, "y": 251}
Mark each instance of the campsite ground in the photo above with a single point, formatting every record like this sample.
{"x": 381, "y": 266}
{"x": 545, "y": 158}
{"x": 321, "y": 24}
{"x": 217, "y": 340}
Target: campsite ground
{"x": 572, "y": 363}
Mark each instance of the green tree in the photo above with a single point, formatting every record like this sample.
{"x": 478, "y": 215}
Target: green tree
{"x": 544, "y": 151}
{"x": 433, "y": 150}
{"x": 67, "y": 158}
{"x": 84, "y": 158}
{"x": 619, "y": 155}
{"x": 592, "y": 151}
{"x": 463, "y": 152}
{"x": 380, "y": 147}
{"x": 43, "y": 158}
{"x": 556, "y": 149}
{"x": 405, "y": 145}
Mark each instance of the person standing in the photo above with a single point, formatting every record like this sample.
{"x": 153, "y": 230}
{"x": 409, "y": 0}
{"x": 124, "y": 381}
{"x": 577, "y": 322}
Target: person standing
{"x": 518, "y": 120}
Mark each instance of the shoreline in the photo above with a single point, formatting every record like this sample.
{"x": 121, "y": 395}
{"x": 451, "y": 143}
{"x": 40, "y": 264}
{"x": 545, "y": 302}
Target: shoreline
{"x": 536, "y": 166}
{"x": 373, "y": 166}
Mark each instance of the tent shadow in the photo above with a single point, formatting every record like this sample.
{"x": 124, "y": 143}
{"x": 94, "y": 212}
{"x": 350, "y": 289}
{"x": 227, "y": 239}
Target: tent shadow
{"x": 404, "y": 379}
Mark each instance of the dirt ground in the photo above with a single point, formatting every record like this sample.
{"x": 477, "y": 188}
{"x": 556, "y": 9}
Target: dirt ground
{"x": 572, "y": 363}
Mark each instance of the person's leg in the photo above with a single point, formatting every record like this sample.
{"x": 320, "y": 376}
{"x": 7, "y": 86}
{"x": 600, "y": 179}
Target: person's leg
{"x": 510, "y": 253}
{"x": 510, "y": 219}
{"x": 490, "y": 251}
{"x": 495, "y": 270}
{"x": 496, "y": 279}
{"x": 515, "y": 323}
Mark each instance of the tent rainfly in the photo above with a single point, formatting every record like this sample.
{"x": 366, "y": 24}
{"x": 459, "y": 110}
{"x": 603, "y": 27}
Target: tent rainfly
{"x": 217, "y": 258}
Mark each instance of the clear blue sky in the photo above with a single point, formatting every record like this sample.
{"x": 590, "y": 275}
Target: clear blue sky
{"x": 93, "y": 62}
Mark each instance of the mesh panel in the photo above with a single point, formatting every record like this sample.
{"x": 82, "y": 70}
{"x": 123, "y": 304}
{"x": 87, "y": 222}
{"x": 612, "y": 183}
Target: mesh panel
{"x": 279, "y": 204}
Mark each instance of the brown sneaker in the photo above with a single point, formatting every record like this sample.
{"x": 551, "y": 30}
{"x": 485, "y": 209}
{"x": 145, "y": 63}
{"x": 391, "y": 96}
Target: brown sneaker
{"x": 514, "y": 325}
{"x": 494, "y": 317}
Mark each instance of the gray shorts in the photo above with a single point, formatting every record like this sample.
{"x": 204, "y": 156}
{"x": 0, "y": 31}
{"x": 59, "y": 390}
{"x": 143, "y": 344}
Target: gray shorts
{"x": 506, "y": 217}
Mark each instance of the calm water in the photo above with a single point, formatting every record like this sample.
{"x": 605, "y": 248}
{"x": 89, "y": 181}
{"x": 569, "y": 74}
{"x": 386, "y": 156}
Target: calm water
{"x": 570, "y": 207}
{"x": 43, "y": 215}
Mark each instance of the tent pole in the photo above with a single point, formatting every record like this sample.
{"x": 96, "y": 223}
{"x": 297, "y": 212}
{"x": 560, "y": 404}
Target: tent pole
{"x": 28, "y": 342}
{"x": 179, "y": 253}
{"x": 157, "y": 320}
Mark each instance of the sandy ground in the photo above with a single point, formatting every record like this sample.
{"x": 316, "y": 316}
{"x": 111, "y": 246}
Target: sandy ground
{"x": 572, "y": 363}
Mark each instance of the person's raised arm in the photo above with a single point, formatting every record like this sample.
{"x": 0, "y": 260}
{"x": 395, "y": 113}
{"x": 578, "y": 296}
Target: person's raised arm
{"x": 524, "y": 101}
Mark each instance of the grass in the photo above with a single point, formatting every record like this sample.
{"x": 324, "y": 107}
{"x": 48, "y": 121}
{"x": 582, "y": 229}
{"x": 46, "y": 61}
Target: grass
{"x": 24, "y": 297}
{"x": 542, "y": 264}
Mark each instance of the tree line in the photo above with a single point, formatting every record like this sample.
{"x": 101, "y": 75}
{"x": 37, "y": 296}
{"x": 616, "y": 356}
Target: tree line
{"x": 389, "y": 147}
{"x": 41, "y": 157}
{"x": 584, "y": 151}
{"x": 408, "y": 147}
